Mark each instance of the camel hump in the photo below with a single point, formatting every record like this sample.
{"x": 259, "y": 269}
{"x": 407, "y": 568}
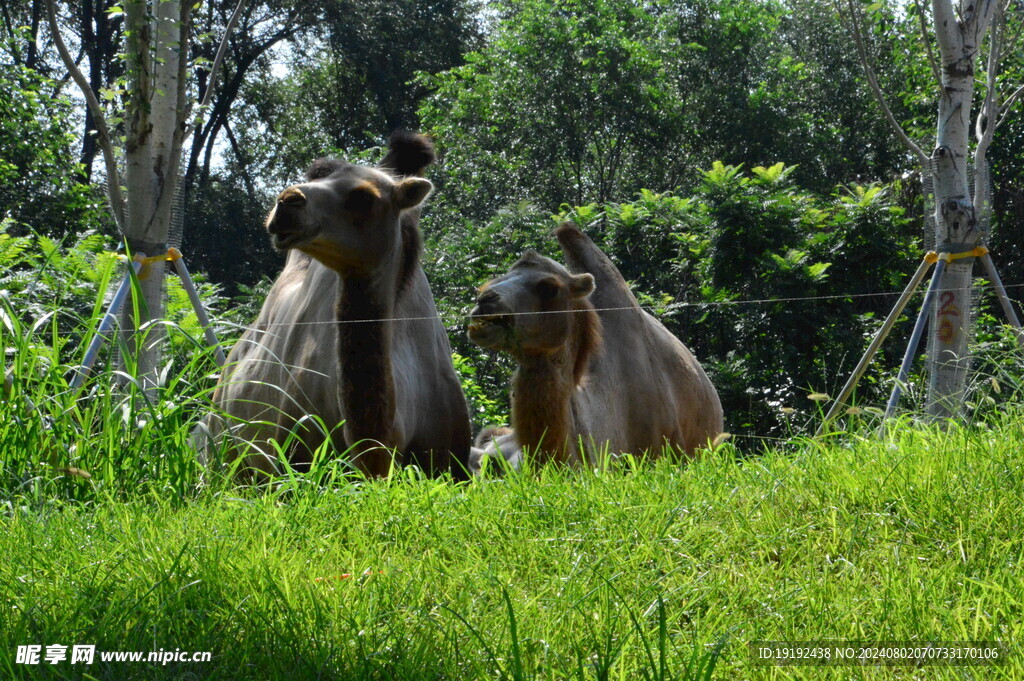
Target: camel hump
{"x": 409, "y": 153}
{"x": 582, "y": 255}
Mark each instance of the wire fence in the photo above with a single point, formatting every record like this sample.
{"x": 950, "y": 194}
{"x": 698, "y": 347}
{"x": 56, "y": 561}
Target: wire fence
{"x": 658, "y": 311}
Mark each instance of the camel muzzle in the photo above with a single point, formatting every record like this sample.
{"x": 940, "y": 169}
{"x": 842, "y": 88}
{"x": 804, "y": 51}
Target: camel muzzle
{"x": 490, "y": 323}
{"x": 489, "y": 307}
{"x": 283, "y": 222}
{"x": 285, "y": 227}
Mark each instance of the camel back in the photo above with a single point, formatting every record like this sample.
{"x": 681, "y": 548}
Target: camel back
{"x": 582, "y": 255}
{"x": 660, "y": 390}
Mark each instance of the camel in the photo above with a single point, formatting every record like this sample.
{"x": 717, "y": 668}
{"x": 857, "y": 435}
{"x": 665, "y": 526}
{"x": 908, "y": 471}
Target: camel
{"x": 348, "y": 333}
{"x": 596, "y": 373}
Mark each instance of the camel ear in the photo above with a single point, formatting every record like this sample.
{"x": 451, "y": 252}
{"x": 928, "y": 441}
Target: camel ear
{"x": 582, "y": 285}
{"x": 411, "y": 191}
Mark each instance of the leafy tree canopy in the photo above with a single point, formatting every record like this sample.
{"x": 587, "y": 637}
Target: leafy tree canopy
{"x": 39, "y": 187}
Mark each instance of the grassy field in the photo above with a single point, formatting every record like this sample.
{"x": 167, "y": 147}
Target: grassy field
{"x": 633, "y": 572}
{"x": 646, "y": 571}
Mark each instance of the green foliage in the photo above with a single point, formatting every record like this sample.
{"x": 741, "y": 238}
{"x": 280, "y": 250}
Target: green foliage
{"x": 321, "y": 108}
{"x": 484, "y": 409}
{"x": 1006, "y": 158}
{"x": 568, "y": 102}
{"x": 52, "y": 297}
{"x": 39, "y": 178}
{"x": 347, "y": 84}
{"x": 733, "y": 270}
{"x": 588, "y": 102}
{"x": 70, "y": 284}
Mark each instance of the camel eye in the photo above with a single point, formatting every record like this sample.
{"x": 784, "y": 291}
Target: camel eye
{"x": 548, "y": 289}
{"x": 360, "y": 199}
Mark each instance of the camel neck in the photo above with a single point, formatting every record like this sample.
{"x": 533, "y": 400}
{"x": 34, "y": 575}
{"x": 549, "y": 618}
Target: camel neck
{"x": 544, "y": 387}
{"x": 367, "y": 389}
{"x": 542, "y": 390}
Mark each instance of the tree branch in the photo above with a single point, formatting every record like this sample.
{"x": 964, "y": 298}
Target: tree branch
{"x": 217, "y": 60}
{"x": 1004, "y": 110}
{"x": 877, "y": 91}
{"x": 58, "y": 88}
{"x": 243, "y": 164}
{"x": 947, "y": 27}
{"x": 985, "y": 126}
{"x": 181, "y": 106}
{"x": 102, "y": 131}
{"x": 33, "y": 57}
{"x": 225, "y": 98}
{"x": 12, "y": 33}
{"x": 926, "y": 39}
{"x": 982, "y": 125}
{"x": 1012, "y": 42}
{"x": 983, "y": 17}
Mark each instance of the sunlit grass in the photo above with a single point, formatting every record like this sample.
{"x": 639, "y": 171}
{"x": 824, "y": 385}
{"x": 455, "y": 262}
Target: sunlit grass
{"x": 649, "y": 571}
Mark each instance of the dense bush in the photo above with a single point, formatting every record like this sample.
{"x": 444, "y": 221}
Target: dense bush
{"x": 764, "y": 282}
{"x": 55, "y": 293}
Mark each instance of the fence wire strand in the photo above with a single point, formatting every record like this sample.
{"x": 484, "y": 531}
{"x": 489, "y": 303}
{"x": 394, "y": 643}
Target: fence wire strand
{"x": 454, "y": 319}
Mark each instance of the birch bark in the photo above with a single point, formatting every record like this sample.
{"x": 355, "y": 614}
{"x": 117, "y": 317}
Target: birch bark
{"x": 959, "y": 35}
{"x": 157, "y": 35}
{"x": 158, "y": 41}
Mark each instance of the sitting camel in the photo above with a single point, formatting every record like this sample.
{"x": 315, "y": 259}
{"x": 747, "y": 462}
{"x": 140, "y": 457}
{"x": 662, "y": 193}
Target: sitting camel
{"x": 606, "y": 379}
{"x": 349, "y": 332}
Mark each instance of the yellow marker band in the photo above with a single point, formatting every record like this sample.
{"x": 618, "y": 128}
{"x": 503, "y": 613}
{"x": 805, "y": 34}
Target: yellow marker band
{"x": 950, "y": 257}
{"x": 171, "y": 255}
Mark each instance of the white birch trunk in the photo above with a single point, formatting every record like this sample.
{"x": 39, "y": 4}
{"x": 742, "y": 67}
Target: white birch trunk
{"x": 956, "y": 218}
{"x": 157, "y": 57}
{"x": 157, "y": 34}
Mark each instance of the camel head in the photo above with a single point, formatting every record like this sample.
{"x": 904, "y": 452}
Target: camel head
{"x": 531, "y": 309}
{"x": 346, "y": 216}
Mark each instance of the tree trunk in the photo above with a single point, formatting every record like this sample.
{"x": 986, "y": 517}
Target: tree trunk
{"x": 959, "y": 37}
{"x": 95, "y": 74}
{"x": 142, "y": 198}
{"x": 157, "y": 45}
{"x": 32, "y": 61}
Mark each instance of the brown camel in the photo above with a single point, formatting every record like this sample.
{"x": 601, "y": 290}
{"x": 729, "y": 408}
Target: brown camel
{"x": 349, "y": 332}
{"x": 610, "y": 379}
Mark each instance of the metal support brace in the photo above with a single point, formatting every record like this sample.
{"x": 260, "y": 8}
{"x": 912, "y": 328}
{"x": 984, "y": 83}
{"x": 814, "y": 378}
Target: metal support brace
{"x": 1004, "y": 299}
{"x": 876, "y": 342}
{"x": 107, "y": 323}
{"x": 193, "y": 295}
{"x": 915, "y": 338}
{"x": 940, "y": 260}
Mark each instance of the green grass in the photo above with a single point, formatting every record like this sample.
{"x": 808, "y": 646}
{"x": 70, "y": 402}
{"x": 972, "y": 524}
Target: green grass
{"x": 637, "y": 572}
